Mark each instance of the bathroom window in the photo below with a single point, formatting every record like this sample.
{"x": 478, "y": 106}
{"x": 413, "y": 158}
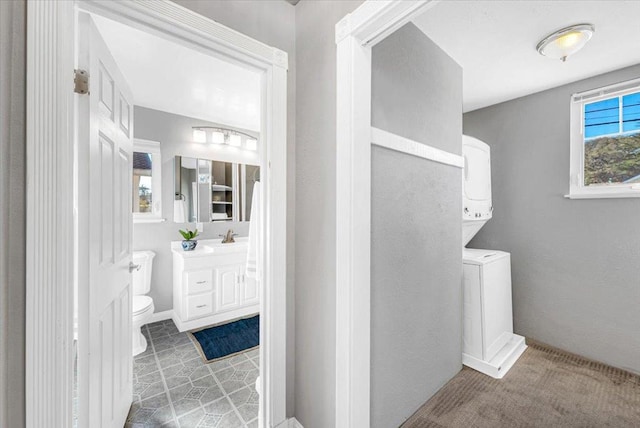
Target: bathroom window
{"x": 147, "y": 182}
{"x": 605, "y": 142}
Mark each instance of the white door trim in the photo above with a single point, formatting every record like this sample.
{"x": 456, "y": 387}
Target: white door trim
{"x": 51, "y": 233}
{"x": 356, "y": 33}
{"x": 50, "y": 217}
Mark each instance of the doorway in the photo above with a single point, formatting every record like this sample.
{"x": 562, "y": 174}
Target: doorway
{"x": 197, "y": 33}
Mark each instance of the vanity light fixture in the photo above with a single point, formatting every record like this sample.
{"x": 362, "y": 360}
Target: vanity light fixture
{"x": 223, "y": 136}
{"x": 235, "y": 140}
{"x": 199, "y": 136}
{"x": 217, "y": 137}
{"x": 566, "y": 41}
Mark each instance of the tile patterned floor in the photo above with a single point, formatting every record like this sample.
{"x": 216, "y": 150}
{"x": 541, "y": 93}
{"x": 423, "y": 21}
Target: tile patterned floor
{"x": 173, "y": 387}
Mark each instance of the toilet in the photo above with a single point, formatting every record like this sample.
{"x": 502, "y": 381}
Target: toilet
{"x": 142, "y": 306}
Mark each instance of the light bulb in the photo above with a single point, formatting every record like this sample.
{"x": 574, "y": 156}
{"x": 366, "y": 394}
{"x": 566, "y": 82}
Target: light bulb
{"x": 235, "y": 140}
{"x": 217, "y": 137}
{"x": 199, "y": 136}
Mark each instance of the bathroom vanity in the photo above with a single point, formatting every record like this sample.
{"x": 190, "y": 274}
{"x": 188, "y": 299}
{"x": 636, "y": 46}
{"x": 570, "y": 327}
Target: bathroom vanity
{"x": 210, "y": 285}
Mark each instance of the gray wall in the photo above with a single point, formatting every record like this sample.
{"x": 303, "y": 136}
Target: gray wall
{"x": 574, "y": 262}
{"x": 12, "y": 212}
{"x": 416, "y": 255}
{"x": 273, "y": 23}
{"x": 174, "y": 133}
{"x": 316, "y": 210}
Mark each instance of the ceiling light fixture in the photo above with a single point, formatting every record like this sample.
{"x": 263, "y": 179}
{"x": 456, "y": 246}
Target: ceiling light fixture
{"x": 565, "y": 42}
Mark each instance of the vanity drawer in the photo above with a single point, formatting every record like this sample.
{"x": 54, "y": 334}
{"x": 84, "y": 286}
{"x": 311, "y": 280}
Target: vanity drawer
{"x": 200, "y": 305}
{"x": 198, "y": 281}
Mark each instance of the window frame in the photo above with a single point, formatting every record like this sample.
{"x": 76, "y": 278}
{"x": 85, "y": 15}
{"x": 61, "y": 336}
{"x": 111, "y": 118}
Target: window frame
{"x": 153, "y": 148}
{"x": 577, "y": 189}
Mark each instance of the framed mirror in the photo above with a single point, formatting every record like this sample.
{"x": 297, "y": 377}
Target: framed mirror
{"x": 212, "y": 191}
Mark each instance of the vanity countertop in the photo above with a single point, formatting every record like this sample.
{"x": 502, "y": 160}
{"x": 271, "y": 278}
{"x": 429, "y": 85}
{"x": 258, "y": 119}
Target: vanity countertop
{"x": 212, "y": 247}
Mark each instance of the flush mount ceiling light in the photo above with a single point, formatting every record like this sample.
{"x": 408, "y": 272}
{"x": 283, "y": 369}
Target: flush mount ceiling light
{"x": 566, "y": 42}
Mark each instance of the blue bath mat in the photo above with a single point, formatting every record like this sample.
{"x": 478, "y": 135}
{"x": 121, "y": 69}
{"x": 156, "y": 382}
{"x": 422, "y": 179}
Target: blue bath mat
{"x": 229, "y": 339}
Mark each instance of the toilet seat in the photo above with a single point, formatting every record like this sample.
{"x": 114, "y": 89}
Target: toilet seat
{"x": 141, "y": 304}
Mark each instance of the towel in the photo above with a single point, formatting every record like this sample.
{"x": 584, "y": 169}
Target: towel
{"x": 219, "y": 216}
{"x": 179, "y": 211}
{"x": 254, "y": 261}
{"x": 194, "y": 201}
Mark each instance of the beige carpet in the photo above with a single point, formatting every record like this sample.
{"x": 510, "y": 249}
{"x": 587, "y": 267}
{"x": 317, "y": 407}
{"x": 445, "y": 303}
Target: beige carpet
{"x": 545, "y": 388}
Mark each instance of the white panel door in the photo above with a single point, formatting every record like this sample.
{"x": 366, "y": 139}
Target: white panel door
{"x": 227, "y": 288}
{"x": 105, "y": 126}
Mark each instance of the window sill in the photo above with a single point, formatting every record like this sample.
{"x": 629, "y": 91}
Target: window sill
{"x": 609, "y": 195}
{"x": 148, "y": 220}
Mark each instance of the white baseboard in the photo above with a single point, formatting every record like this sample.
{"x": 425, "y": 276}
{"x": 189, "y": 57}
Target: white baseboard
{"x": 293, "y": 423}
{"x": 161, "y": 316}
{"x": 290, "y": 423}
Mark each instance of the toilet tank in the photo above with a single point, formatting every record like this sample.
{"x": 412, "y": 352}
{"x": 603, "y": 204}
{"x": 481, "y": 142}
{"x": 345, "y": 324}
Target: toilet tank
{"x": 477, "y": 206}
{"x": 142, "y": 277}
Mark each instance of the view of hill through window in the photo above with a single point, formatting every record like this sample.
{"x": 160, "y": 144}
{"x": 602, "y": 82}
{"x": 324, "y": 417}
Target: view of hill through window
{"x": 612, "y": 160}
{"x": 612, "y": 141}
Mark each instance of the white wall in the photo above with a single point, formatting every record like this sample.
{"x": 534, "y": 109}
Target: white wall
{"x": 12, "y": 212}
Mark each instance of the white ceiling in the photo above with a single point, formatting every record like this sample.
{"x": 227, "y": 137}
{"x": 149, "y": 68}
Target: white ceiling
{"x": 166, "y": 76}
{"x": 495, "y": 43}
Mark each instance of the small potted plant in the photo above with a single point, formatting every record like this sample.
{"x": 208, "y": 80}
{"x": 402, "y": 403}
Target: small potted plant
{"x": 189, "y": 244}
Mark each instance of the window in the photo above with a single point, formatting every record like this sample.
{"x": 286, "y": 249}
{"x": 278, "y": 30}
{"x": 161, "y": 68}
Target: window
{"x": 605, "y": 142}
{"x": 147, "y": 181}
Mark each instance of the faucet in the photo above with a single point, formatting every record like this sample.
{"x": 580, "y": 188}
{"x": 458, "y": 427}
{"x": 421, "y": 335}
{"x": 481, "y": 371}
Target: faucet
{"x": 228, "y": 238}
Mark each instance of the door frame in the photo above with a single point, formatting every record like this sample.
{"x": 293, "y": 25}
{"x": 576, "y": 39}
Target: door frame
{"x": 51, "y": 220}
{"x": 355, "y": 36}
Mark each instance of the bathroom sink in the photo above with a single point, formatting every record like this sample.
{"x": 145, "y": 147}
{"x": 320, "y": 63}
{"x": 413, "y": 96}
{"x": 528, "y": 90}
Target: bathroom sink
{"x": 233, "y": 247}
{"x": 200, "y": 250}
{"x": 212, "y": 246}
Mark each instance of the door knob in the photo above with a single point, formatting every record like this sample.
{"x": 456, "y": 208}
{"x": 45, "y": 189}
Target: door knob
{"x": 133, "y": 267}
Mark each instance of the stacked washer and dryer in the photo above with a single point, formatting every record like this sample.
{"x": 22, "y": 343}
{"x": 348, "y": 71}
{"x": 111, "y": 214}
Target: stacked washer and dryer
{"x": 489, "y": 346}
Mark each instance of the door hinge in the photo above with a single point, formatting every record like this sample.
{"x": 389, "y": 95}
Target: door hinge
{"x": 81, "y": 82}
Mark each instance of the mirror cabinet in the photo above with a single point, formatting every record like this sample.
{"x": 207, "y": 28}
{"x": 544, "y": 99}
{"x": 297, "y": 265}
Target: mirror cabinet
{"x": 210, "y": 190}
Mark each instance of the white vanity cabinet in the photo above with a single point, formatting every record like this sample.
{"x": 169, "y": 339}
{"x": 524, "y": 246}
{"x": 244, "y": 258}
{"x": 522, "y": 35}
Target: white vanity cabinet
{"x": 235, "y": 289}
{"x": 210, "y": 285}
